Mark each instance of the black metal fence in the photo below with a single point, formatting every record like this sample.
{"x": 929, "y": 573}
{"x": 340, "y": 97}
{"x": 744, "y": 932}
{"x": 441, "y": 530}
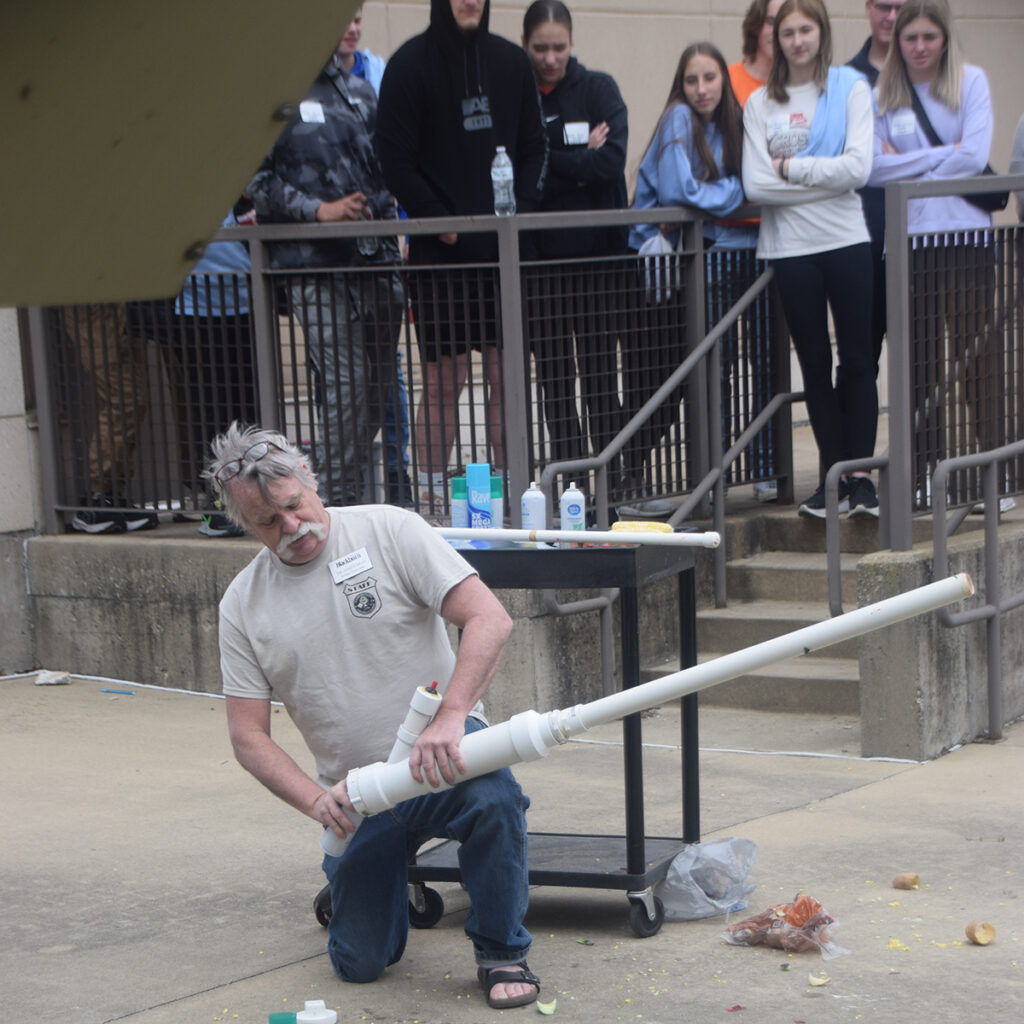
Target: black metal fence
{"x": 966, "y": 351}
{"x": 390, "y": 375}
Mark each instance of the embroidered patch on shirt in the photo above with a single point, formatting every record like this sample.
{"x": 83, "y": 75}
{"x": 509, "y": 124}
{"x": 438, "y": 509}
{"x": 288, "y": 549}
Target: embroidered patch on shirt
{"x": 363, "y": 599}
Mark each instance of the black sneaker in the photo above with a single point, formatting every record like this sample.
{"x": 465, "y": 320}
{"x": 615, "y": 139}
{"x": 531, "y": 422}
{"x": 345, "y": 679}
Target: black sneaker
{"x": 815, "y": 504}
{"x": 863, "y": 499}
{"x": 99, "y": 518}
{"x": 400, "y": 491}
{"x": 217, "y": 524}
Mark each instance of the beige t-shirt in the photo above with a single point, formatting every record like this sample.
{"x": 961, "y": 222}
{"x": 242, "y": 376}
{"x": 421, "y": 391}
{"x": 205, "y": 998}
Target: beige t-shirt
{"x": 344, "y": 641}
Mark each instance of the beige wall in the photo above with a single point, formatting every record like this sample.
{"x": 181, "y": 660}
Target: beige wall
{"x": 640, "y": 48}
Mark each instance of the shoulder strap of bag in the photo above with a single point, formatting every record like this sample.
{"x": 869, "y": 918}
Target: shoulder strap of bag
{"x": 922, "y": 119}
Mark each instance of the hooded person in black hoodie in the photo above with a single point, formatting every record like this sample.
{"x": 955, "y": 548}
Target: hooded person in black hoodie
{"x": 573, "y": 309}
{"x": 448, "y": 99}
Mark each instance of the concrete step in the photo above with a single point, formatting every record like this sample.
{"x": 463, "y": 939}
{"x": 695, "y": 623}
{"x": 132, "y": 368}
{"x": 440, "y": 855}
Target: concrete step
{"x": 799, "y": 685}
{"x": 788, "y": 576}
{"x": 784, "y": 530}
{"x": 744, "y": 624}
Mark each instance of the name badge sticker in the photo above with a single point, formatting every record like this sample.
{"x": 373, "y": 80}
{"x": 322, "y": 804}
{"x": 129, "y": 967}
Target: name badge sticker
{"x": 577, "y": 133}
{"x": 311, "y": 112}
{"x": 903, "y": 124}
{"x": 353, "y": 564}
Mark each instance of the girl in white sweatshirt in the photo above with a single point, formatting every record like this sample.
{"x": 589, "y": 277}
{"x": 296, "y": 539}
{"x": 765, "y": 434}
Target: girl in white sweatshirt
{"x": 806, "y": 149}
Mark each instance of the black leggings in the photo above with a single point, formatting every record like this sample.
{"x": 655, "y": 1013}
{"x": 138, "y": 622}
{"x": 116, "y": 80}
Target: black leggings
{"x": 843, "y": 414}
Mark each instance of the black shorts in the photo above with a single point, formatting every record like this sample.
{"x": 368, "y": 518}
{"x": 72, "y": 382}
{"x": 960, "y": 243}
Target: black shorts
{"x": 455, "y": 309}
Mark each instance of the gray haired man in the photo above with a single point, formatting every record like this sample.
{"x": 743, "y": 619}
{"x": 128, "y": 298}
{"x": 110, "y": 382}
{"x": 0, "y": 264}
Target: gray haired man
{"x": 341, "y": 617}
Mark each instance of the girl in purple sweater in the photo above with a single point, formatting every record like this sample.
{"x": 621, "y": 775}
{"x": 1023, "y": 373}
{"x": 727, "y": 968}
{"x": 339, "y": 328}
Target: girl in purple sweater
{"x": 957, "y": 374}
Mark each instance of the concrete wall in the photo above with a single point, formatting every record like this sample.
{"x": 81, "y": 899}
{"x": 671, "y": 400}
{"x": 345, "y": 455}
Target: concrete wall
{"x": 145, "y": 609}
{"x": 923, "y": 685}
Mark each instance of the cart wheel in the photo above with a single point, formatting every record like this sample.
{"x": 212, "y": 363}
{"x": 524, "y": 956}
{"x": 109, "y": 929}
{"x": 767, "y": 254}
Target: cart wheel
{"x": 322, "y": 906}
{"x": 641, "y": 924}
{"x": 433, "y": 909}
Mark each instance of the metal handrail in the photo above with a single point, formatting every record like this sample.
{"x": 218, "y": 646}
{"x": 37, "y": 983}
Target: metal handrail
{"x": 833, "y": 554}
{"x": 995, "y": 604}
{"x": 712, "y": 481}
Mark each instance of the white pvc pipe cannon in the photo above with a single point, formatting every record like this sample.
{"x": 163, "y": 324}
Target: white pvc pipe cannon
{"x": 528, "y": 736}
{"x": 424, "y": 705}
{"x": 578, "y": 537}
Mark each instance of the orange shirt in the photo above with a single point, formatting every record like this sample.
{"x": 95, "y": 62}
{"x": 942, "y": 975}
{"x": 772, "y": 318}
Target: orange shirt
{"x": 743, "y": 82}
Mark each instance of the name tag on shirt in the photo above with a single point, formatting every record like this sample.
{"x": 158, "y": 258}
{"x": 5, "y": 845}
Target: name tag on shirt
{"x": 576, "y": 133}
{"x": 311, "y": 112}
{"x": 903, "y": 124}
{"x": 352, "y": 564}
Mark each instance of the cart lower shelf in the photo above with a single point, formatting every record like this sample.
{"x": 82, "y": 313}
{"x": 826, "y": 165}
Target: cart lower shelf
{"x": 586, "y": 861}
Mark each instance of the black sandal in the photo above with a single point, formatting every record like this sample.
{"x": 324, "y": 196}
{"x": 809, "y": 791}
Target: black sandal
{"x": 505, "y": 976}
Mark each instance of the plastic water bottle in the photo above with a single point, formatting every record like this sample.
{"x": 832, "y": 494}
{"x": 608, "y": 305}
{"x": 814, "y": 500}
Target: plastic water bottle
{"x": 497, "y": 502}
{"x": 574, "y": 510}
{"x": 316, "y": 1012}
{"x": 534, "y": 508}
{"x": 460, "y": 505}
{"x": 503, "y": 182}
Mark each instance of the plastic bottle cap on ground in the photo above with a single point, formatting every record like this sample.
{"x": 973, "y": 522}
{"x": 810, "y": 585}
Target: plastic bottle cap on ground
{"x": 316, "y": 1012}
{"x": 281, "y": 1017}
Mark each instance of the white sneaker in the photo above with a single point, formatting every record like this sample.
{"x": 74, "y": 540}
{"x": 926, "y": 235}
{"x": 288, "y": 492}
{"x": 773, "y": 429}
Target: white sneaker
{"x": 766, "y": 490}
{"x": 1006, "y": 504}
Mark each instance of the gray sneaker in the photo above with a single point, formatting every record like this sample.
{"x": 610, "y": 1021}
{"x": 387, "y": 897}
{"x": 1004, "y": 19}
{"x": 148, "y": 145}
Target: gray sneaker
{"x": 648, "y": 508}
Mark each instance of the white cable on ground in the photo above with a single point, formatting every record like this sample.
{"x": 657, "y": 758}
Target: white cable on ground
{"x": 117, "y": 682}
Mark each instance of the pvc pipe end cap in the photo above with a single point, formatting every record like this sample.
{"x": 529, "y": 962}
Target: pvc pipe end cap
{"x": 316, "y": 1012}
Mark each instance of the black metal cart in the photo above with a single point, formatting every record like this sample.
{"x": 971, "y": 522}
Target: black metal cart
{"x": 585, "y": 860}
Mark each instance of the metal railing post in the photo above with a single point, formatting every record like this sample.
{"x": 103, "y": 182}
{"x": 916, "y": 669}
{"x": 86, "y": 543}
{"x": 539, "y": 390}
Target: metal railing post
{"x": 264, "y": 324}
{"x": 513, "y": 364}
{"x": 702, "y": 458}
{"x": 781, "y": 384}
{"x": 898, "y": 497}
{"x": 46, "y": 418}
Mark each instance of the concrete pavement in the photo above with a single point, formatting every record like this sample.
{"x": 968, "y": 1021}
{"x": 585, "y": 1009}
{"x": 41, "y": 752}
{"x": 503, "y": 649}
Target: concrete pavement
{"x": 147, "y": 879}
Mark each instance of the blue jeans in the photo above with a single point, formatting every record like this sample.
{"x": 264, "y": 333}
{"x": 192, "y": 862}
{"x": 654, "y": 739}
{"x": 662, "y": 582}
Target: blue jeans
{"x": 369, "y": 882}
{"x": 396, "y": 421}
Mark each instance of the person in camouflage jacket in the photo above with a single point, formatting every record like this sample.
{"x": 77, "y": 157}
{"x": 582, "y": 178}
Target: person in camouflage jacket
{"x": 324, "y": 168}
